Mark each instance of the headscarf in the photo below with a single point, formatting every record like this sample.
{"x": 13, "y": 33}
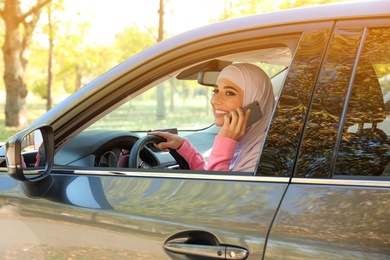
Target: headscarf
{"x": 256, "y": 86}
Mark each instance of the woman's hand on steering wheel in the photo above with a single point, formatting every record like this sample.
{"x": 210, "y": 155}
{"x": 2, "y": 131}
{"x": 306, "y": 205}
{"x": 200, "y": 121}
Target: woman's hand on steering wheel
{"x": 173, "y": 141}
{"x": 135, "y": 160}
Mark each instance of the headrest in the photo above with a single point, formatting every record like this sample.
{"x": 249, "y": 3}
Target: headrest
{"x": 366, "y": 103}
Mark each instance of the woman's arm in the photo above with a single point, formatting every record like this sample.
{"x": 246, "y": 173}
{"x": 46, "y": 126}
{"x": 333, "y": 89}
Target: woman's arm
{"x": 220, "y": 157}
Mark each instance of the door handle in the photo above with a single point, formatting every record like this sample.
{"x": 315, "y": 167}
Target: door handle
{"x": 210, "y": 251}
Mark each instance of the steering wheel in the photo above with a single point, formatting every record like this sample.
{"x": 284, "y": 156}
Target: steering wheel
{"x": 135, "y": 160}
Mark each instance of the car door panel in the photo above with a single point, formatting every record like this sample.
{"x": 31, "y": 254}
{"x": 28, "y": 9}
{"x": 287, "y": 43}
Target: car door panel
{"x": 337, "y": 205}
{"x": 317, "y": 221}
{"x": 137, "y": 214}
{"x": 236, "y": 212}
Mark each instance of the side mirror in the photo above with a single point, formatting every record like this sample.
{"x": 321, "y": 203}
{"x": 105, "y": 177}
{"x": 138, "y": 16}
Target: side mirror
{"x": 208, "y": 77}
{"x": 30, "y": 154}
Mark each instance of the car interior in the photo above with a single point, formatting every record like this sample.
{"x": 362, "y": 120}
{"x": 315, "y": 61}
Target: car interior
{"x": 104, "y": 144}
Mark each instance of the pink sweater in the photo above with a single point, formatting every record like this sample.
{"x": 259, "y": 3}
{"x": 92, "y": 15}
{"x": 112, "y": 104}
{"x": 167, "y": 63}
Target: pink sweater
{"x": 221, "y": 155}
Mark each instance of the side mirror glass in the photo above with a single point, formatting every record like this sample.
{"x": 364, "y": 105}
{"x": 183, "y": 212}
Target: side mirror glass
{"x": 29, "y": 154}
{"x": 208, "y": 77}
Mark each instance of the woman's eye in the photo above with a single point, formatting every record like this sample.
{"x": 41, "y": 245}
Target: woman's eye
{"x": 215, "y": 91}
{"x": 229, "y": 93}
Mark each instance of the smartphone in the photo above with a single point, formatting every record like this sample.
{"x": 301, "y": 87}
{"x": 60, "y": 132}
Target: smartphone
{"x": 256, "y": 113}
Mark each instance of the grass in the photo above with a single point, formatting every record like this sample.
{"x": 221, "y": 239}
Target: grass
{"x": 138, "y": 115}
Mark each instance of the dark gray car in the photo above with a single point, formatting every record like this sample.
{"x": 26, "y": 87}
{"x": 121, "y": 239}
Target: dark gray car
{"x": 72, "y": 185}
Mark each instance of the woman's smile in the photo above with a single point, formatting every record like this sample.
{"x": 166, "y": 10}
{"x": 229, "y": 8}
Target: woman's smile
{"x": 227, "y": 96}
{"x": 220, "y": 113}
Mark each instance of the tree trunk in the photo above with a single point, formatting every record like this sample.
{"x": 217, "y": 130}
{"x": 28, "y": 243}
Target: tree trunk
{"x": 79, "y": 77}
{"x": 18, "y": 34}
{"x": 15, "y": 105}
{"x": 49, "y": 94}
{"x": 160, "y": 89}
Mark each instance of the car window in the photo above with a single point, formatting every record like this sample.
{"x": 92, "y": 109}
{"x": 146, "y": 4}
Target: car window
{"x": 279, "y": 151}
{"x": 365, "y": 146}
{"x": 175, "y": 100}
{"x": 346, "y": 130}
{"x": 179, "y": 103}
{"x": 168, "y": 104}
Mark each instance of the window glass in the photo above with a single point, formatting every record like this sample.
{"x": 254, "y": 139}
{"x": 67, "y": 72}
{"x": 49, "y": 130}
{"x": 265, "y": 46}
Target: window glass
{"x": 347, "y": 130}
{"x": 317, "y": 148}
{"x": 365, "y": 147}
{"x": 279, "y": 151}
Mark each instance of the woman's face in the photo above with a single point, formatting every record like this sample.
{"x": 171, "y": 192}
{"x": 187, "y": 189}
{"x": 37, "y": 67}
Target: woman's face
{"x": 227, "y": 96}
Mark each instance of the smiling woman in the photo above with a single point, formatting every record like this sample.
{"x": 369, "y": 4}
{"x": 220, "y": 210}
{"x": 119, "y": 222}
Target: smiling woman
{"x": 317, "y": 185}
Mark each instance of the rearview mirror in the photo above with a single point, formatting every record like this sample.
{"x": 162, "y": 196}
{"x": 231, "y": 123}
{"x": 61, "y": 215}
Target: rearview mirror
{"x": 30, "y": 153}
{"x": 208, "y": 77}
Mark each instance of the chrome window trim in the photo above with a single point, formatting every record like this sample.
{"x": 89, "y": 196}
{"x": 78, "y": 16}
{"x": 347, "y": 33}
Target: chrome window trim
{"x": 178, "y": 175}
{"x": 342, "y": 182}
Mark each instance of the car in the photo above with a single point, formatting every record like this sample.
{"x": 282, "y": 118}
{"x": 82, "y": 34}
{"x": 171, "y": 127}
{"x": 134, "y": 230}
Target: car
{"x": 86, "y": 181}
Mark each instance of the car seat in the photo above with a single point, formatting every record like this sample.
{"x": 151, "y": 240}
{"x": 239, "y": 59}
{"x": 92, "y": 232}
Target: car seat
{"x": 366, "y": 150}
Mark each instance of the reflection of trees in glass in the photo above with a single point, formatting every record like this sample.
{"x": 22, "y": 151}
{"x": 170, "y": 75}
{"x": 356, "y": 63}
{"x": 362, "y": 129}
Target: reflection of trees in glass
{"x": 326, "y": 109}
{"x": 366, "y": 151}
{"x": 241, "y": 204}
{"x": 281, "y": 143}
{"x": 336, "y": 214}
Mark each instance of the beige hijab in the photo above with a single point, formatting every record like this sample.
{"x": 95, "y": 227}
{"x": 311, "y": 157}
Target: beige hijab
{"x": 257, "y": 86}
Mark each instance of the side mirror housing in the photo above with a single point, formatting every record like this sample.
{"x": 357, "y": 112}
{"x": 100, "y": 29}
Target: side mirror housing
{"x": 30, "y": 154}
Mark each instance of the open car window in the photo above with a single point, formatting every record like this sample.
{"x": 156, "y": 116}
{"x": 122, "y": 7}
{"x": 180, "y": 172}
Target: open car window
{"x": 176, "y": 100}
{"x": 181, "y": 102}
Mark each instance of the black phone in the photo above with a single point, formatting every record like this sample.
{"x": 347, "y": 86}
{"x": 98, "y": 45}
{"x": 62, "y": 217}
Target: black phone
{"x": 256, "y": 113}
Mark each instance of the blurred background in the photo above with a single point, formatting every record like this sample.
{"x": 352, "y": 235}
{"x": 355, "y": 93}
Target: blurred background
{"x": 52, "y": 48}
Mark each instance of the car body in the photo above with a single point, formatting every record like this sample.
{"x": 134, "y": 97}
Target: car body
{"x": 321, "y": 189}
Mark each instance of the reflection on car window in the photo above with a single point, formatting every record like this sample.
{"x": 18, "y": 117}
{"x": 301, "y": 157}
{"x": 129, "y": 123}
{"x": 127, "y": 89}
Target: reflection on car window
{"x": 317, "y": 149}
{"x": 278, "y": 155}
{"x": 352, "y": 140}
{"x": 365, "y": 147}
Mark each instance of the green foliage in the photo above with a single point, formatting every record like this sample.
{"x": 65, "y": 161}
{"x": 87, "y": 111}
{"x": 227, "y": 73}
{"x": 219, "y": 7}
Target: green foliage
{"x": 248, "y": 7}
{"x": 301, "y": 3}
{"x": 77, "y": 61}
{"x": 131, "y": 41}
{"x": 39, "y": 87}
{"x": 36, "y": 107}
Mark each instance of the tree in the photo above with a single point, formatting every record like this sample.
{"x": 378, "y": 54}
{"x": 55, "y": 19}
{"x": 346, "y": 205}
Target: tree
{"x": 286, "y": 4}
{"x": 160, "y": 88}
{"x": 131, "y": 41}
{"x": 49, "y": 90}
{"x": 233, "y": 8}
{"x": 19, "y": 27}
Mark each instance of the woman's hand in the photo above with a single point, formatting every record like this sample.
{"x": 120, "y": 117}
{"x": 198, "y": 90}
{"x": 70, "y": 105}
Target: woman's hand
{"x": 173, "y": 141}
{"x": 235, "y": 125}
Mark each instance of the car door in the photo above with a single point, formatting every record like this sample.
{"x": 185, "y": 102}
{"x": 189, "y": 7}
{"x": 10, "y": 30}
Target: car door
{"x": 157, "y": 214}
{"x": 337, "y": 206}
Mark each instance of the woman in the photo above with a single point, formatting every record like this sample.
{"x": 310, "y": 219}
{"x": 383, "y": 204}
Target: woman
{"x": 237, "y": 146}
